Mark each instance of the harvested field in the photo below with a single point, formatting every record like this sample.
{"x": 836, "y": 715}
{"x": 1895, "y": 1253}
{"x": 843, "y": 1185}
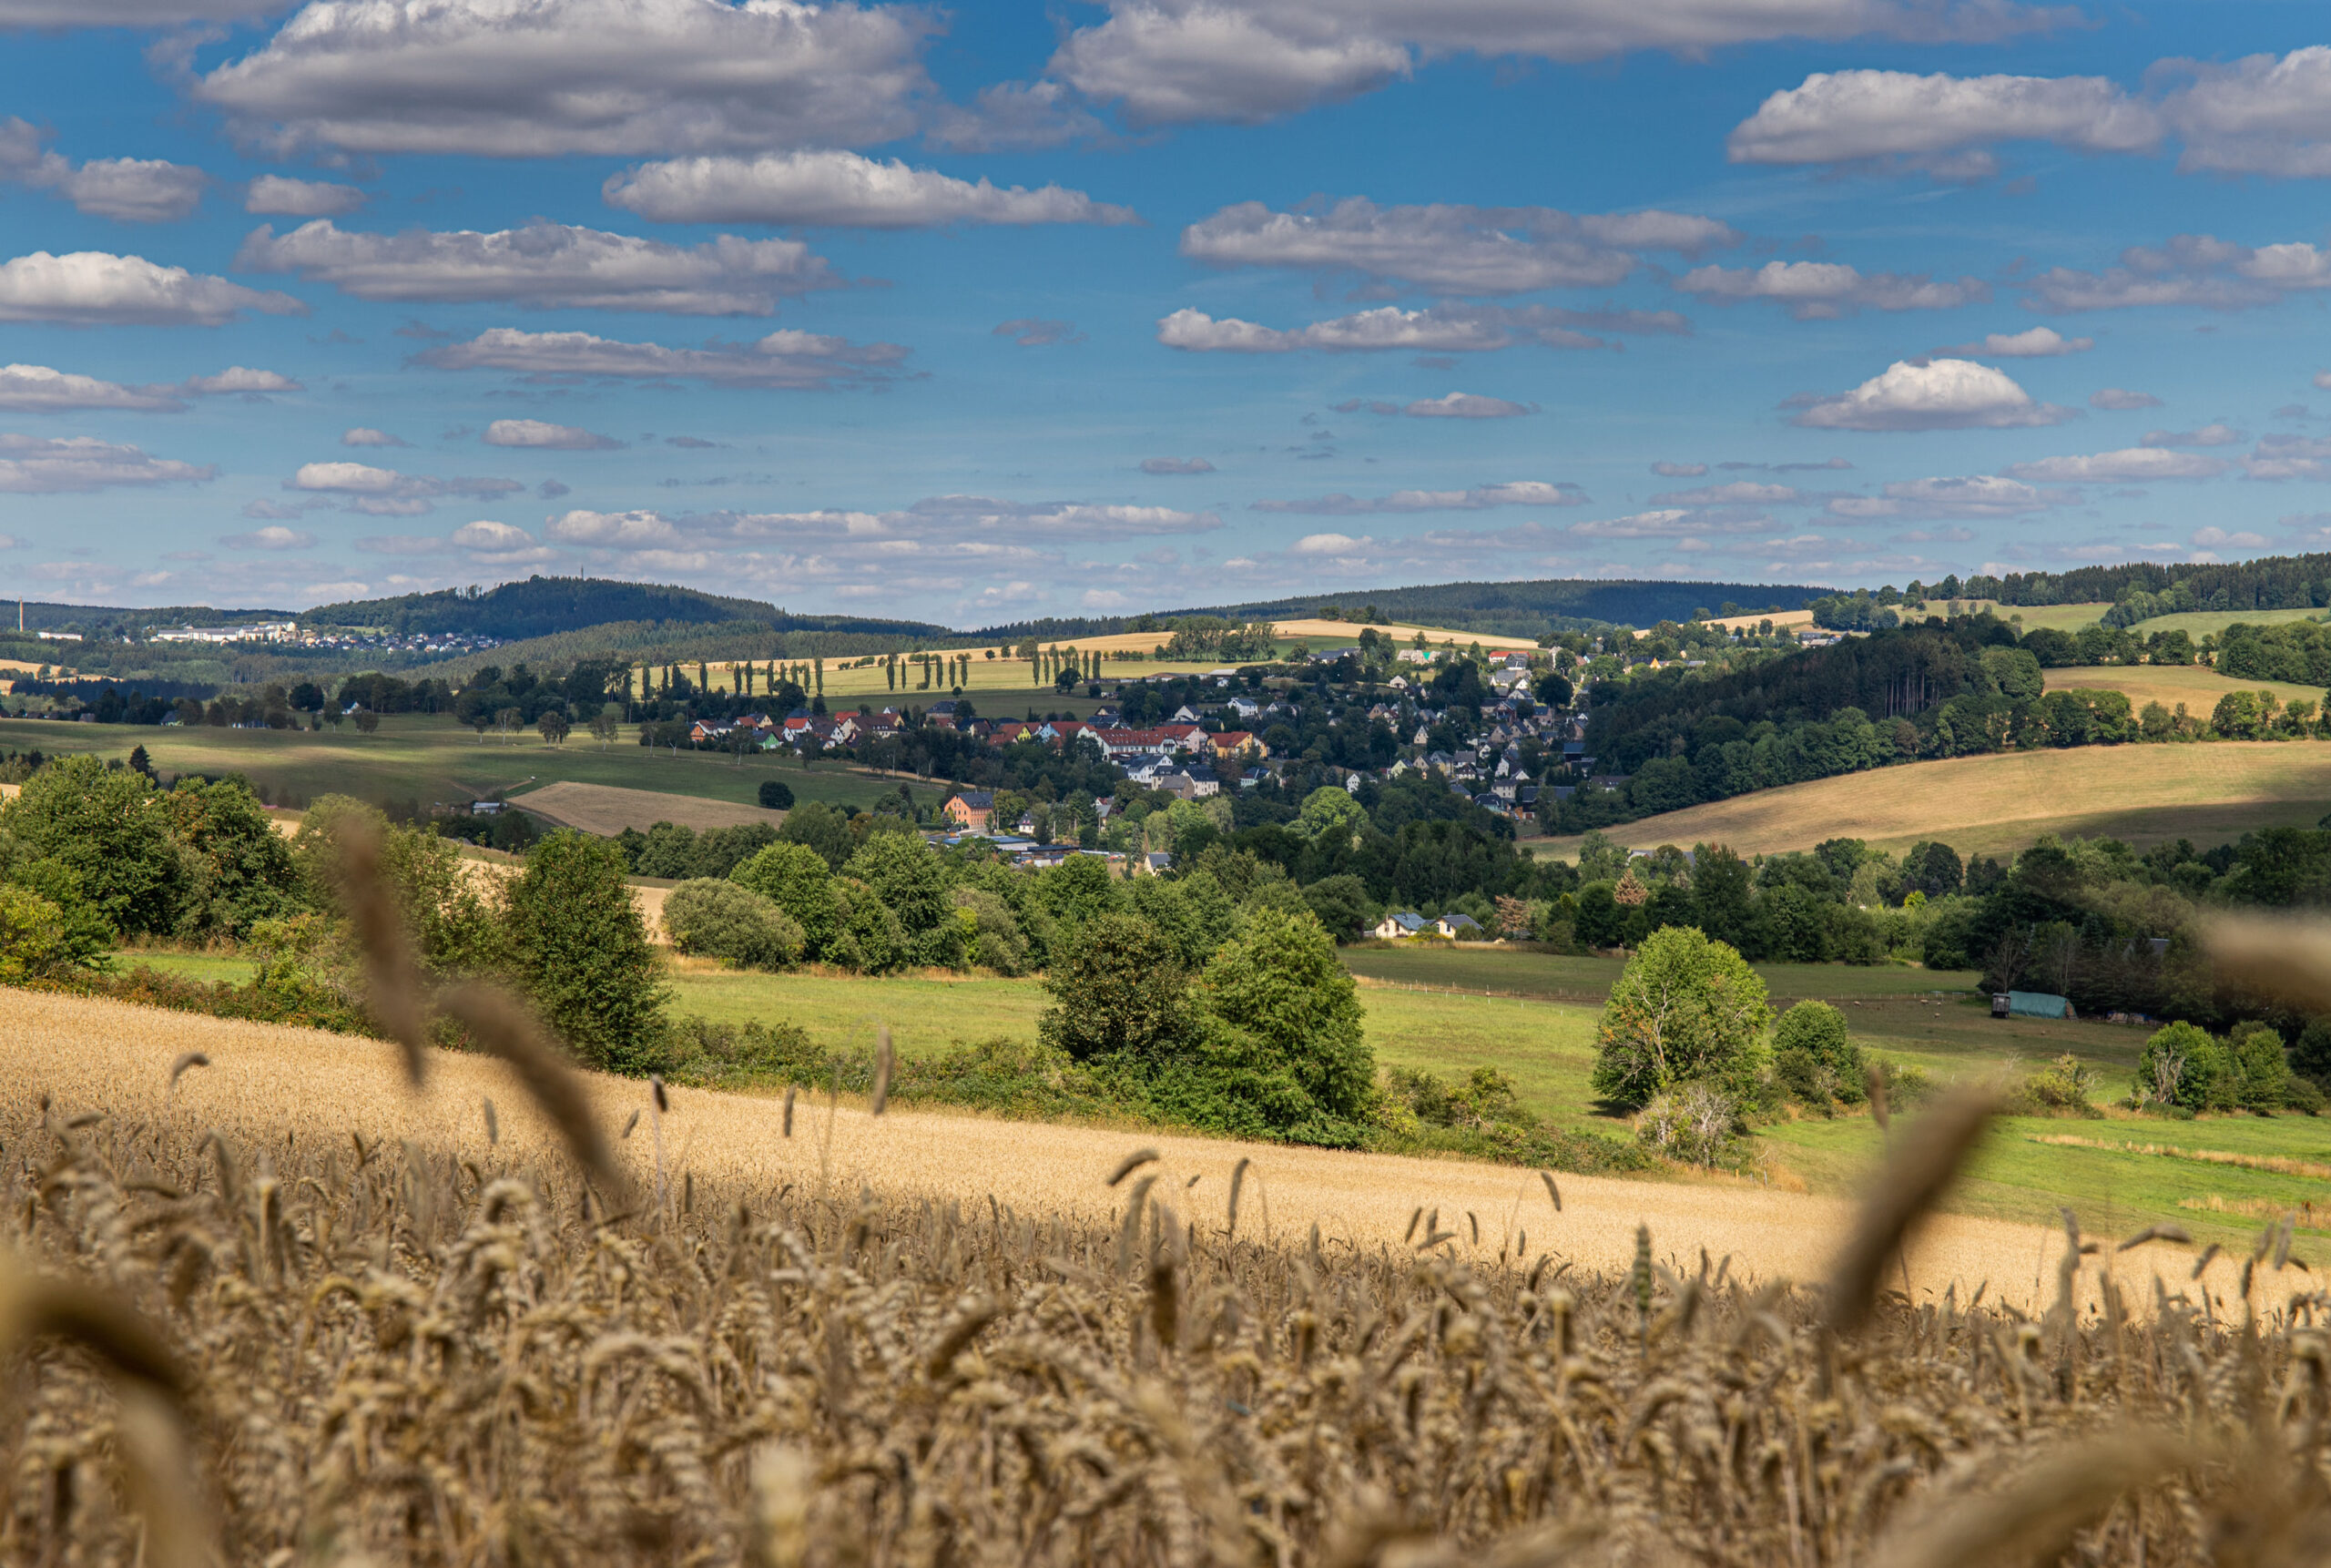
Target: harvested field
{"x": 265, "y": 1080}
{"x": 2211, "y": 792}
{"x": 2197, "y": 687}
{"x": 608, "y": 810}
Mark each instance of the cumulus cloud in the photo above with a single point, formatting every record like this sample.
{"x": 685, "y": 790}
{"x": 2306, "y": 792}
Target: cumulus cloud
{"x": 1932, "y": 121}
{"x": 800, "y": 361}
{"x": 243, "y": 381}
{"x": 544, "y": 78}
{"x": 1037, "y": 331}
{"x": 1467, "y": 405}
{"x": 2213, "y": 538}
{"x": 1441, "y": 329}
{"x": 2131, "y": 465}
{"x": 40, "y": 389}
{"x": 96, "y": 288}
{"x": 365, "y": 435}
{"x": 1931, "y": 395}
{"x": 1679, "y": 470}
{"x": 385, "y": 493}
{"x": 1176, "y": 465}
{"x": 276, "y": 195}
{"x": 2259, "y": 115}
{"x": 544, "y": 265}
{"x": 56, "y": 14}
{"x": 2038, "y": 343}
{"x": 1452, "y": 249}
{"x": 128, "y": 189}
{"x": 838, "y": 189}
{"x": 1737, "y": 492}
{"x": 1973, "y": 495}
{"x": 1479, "y": 498}
{"x": 2283, "y": 457}
{"x": 75, "y": 464}
{"x": 2208, "y": 435}
{"x": 274, "y": 536}
{"x": 1671, "y": 523}
{"x": 1171, "y": 61}
{"x": 966, "y": 528}
{"x": 536, "y": 433}
{"x": 2195, "y": 269}
{"x": 1013, "y": 115}
{"x": 2121, "y": 398}
{"x": 1824, "y": 290}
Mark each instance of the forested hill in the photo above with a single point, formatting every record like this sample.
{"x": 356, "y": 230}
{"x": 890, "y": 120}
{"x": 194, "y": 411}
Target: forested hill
{"x": 545, "y": 606}
{"x": 1527, "y": 609}
{"x": 2265, "y": 582}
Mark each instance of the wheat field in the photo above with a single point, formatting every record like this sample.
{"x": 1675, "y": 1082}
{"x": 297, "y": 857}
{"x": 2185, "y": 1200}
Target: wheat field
{"x": 260, "y": 1303}
{"x": 2213, "y": 793}
{"x": 266, "y": 1081}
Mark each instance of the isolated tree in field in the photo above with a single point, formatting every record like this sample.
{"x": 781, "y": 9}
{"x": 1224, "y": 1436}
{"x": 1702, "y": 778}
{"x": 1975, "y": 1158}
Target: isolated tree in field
{"x": 1281, "y": 984}
{"x": 776, "y": 795}
{"x": 1117, "y": 992}
{"x": 367, "y": 721}
{"x": 1816, "y": 1059}
{"x": 582, "y": 951}
{"x": 603, "y": 727}
{"x": 1684, "y": 1007}
{"x": 552, "y": 725}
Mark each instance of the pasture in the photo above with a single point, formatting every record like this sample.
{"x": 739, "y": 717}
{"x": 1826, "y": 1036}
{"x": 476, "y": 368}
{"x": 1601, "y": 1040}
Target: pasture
{"x": 2195, "y": 686}
{"x": 429, "y": 757}
{"x": 2200, "y": 623}
{"x": 2212, "y": 792}
{"x": 608, "y": 810}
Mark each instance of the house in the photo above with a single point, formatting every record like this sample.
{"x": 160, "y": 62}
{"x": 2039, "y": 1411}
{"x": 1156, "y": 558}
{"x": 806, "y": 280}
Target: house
{"x": 1181, "y": 786}
{"x": 1418, "y": 656}
{"x": 1393, "y": 927}
{"x": 1154, "y": 864}
{"x": 970, "y": 809}
{"x": 1204, "y": 782}
{"x": 1234, "y": 745}
{"x": 1244, "y": 707}
{"x": 1460, "y": 927}
{"x": 1185, "y": 714}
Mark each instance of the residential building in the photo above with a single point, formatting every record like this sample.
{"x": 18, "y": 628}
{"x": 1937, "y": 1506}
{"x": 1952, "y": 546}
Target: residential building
{"x": 1405, "y": 923}
{"x": 970, "y": 810}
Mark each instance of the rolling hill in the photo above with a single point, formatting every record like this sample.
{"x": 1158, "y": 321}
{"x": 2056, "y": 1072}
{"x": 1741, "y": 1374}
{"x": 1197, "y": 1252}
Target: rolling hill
{"x": 545, "y": 606}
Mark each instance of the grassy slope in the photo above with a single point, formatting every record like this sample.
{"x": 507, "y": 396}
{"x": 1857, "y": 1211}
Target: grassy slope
{"x": 2197, "y": 687}
{"x": 429, "y": 757}
{"x": 2198, "y": 623}
{"x": 2209, "y": 793}
{"x": 1547, "y": 1047}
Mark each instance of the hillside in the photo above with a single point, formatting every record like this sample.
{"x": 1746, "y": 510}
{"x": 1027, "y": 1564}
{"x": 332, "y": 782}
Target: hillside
{"x": 1525, "y": 609}
{"x": 545, "y": 606}
{"x": 2144, "y": 794}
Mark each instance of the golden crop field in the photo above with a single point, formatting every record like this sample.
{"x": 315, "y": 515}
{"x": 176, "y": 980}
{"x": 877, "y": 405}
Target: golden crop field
{"x": 608, "y": 810}
{"x": 295, "y": 1312}
{"x": 2198, "y": 623}
{"x": 2210, "y": 792}
{"x": 2199, "y": 689}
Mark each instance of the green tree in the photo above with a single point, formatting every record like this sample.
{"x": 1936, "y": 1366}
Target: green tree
{"x": 867, "y": 936}
{"x": 907, "y": 875}
{"x": 553, "y": 727}
{"x": 1117, "y": 991}
{"x": 1280, "y": 983}
{"x": 109, "y": 828}
{"x": 1685, "y": 1008}
{"x": 1330, "y": 812}
{"x": 1815, "y": 1058}
{"x": 1079, "y": 889}
{"x": 581, "y": 949}
{"x": 1720, "y": 900}
{"x": 822, "y": 828}
{"x": 1341, "y": 905}
{"x": 776, "y": 795}
{"x": 797, "y": 879}
{"x": 735, "y": 924}
{"x": 243, "y": 870}
{"x": 2186, "y": 1065}
{"x": 2262, "y": 1075}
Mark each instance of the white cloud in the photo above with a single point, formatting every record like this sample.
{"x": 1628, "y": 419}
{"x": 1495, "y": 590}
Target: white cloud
{"x": 1737, "y": 492}
{"x": 1467, "y": 405}
{"x": 129, "y": 189}
{"x": 1679, "y": 470}
{"x": 839, "y": 190}
{"x": 488, "y": 535}
{"x": 364, "y": 436}
{"x": 613, "y": 529}
{"x": 543, "y": 79}
{"x": 1441, "y": 329}
{"x": 1673, "y": 522}
{"x": 2213, "y": 538}
{"x": 802, "y": 362}
{"x": 1480, "y": 497}
{"x": 2038, "y": 343}
{"x": 544, "y": 265}
{"x": 1455, "y": 250}
{"x": 969, "y": 529}
{"x": 1823, "y": 290}
{"x": 31, "y": 466}
{"x": 385, "y": 493}
{"x": 39, "y": 389}
{"x": 1102, "y": 599}
{"x": 2208, "y": 435}
{"x": 534, "y": 432}
{"x": 1168, "y": 61}
{"x": 2259, "y": 115}
{"x": 1932, "y": 394}
{"x": 1013, "y": 115}
{"x": 242, "y": 379}
{"x": 1037, "y": 331}
{"x": 2131, "y": 465}
{"x": 49, "y": 14}
{"x": 276, "y": 195}
{"x": 2121, "y": 398}
{"x": 1176, "y": 465}
{"x": 1843, "y": 116}
{"x": 94, "y": 287}
{"x": 274, "y": 536}
{"x": 1975, "y": 495}
{"x": 2193, "y": 270}
{"x": 2282, "y": 456}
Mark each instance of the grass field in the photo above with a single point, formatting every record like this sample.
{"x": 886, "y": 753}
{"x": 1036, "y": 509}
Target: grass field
{"x": 1516, "y": 970}
{"x": 606, "y": 809}
{"x": 2197, "y": 687}
{"x": 2198, "y": 623}
{"x": 2057, "y": 618}
{"x": 429, "y": 758}
{"x": 2211, "y": 793}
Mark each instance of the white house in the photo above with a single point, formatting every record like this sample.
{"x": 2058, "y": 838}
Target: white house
{"x": 1404, "y": 924}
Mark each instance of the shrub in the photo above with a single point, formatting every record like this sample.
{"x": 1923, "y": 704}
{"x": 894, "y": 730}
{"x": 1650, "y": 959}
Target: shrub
{"x": 995, "y": 940}
{"x": 2186, "y": 1066}
{"x": 776, "y": 795}
{"x": 1117, "y": 992}
{"x": 2064, "y": 1088}
{"x": 796, "y": 878}
{"x": 735, "y": 924}
{"x": 868, "y": 937}
{"x": 1815, "y": 1060}
{"x": 1684, "y": 1007}
{"x": 1695, "y": 1122}
{"x": 1280, "y": 985}
{"x": 908, "y": 877}
{"x": 2263, "y": 1078}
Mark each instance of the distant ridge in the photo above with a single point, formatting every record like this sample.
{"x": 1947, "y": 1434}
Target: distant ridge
{"x": 546, "y": 606}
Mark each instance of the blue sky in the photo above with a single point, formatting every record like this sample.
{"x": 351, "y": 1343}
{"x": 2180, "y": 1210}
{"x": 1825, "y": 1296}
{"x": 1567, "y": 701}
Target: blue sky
{"x": 999, "y": 310}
